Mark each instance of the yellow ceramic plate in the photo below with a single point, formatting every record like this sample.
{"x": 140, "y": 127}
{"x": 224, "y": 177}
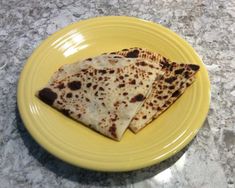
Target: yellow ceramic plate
{"x": 78, "y": 145}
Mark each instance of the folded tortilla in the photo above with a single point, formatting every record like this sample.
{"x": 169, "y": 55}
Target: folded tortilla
{"x": 104, "y": 92}
{"x": 176, "y": 78}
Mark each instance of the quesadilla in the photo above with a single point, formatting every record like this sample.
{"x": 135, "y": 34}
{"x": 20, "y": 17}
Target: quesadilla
{"x": 104, "y": 92}
{"x": 176, "y": 78}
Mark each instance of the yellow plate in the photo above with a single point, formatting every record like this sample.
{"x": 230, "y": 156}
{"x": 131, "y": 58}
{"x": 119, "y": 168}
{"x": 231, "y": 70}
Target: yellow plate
{"x": 78, "y": 145}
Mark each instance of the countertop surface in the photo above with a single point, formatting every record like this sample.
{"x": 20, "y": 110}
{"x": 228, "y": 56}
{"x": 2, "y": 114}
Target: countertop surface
{"x": 208, "y": 161}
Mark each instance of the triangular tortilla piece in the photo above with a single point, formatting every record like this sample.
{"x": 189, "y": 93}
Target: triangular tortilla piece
{"x": 169, "y": 88}
{"x": 103, "y": 92}
{"x": 163, "y": 93}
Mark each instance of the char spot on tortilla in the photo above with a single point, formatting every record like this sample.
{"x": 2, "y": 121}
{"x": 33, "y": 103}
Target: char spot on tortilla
{"x": 95, "y": 86}
{"x": 47, "y": 96}
{"x": 194, "y": 67}
{"x": 69, "y": 95}
{"x": 165, "y": 97}
{"x": 170, "y": 80}
{"x": 89, "y": 59}
{"x": 60, "y": 86}
{"x": 186, "y": 74}
{"x": 74, "y": 85}
{"x": 143, "y": 63}
{"x": 125, "y": 93}
{"x": 137, "y": 98}
{"x": 172, "y": 87}
{"x": 132, "y": 82}
{"x": 88, "y": 85}
{"x": 102, "y": 71}
{"x": 144, "y": 117}
{"x": 101, "y": 88}
{"x": 176, "y": 93}
{"x": 65, "y": 112}
{"x": 179, "y": 71}
{"x": 112, "y": 130}
{"x": 121, "y": 85}
{"x": 60, "y": 103}
{"x": 132, "y": 54}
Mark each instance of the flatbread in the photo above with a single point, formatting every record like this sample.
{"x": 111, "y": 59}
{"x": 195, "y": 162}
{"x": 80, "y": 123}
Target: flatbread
{"x": 103, "y": 92}
{"x": 176, "y": 78}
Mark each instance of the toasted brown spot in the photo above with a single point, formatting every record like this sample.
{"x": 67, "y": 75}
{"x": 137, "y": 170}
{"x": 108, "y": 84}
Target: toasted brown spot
{"x": 60, "y": 86}
{"x": 188, "y": 84}
{"x": 125, "y": 93}
{"x": 111, "y": 71}
{"x": 88, "y": 100}
{"x": 165, "y": 97}
{"x": 125, "y": 49}
{"x": 121, "y": 77}
{"x": 59, "y": 102}
{"x": 159, "y": 109}
{"x": 100, "y": 78}
{"x": 65, "y": 112}
{"x": 179, "y": 71}
{"x": 74, "y": 85}
{"x": 121, "y": 85}
{"x": 79, "y": 115}
{"x": 101, "y": 89}
{"x": 112, "y": 130}
{"x": 144, "y": 117}
{"x": 126, "y": 75}
{"x": 170, "y": 80}
{"x": 137, "y": 98}
{"x": 186, "y": 74}
{"x": 88, "y": 85}
{"x": 132, "y": 54}
{"x": 172, "y": 87}
{"x": 194, "y": 67}
{"x": 102, "y": 71}
{"x": 95, "y": 86}
{"x": 104, "y": 105}
{"x": 176, "y": 93}
{"x": 89, "y": 59}
{"x": 159, "y": 97}
{"x": 143, "y": 63}
{"x": 150, "y": 73}
{"x": 132, "y": 82}
{"x": 96, "y": 93}
{"x": 47, "y": 96}
{"x": 69, "y": 95}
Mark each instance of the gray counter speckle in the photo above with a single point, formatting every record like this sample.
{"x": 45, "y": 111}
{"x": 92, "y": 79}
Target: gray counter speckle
{"x": 208, "y": 26}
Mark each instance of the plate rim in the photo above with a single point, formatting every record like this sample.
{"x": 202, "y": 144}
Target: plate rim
{"x": 92, "y": 167}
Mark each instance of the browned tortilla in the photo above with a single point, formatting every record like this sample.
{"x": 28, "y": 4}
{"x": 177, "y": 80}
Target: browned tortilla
{"x": 103, "y": 92}
{"x": 176, "y": 78}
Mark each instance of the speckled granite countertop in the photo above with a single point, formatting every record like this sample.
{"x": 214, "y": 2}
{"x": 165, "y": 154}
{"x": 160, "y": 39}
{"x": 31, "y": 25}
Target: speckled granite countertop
{"x": 208, "y": 26}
